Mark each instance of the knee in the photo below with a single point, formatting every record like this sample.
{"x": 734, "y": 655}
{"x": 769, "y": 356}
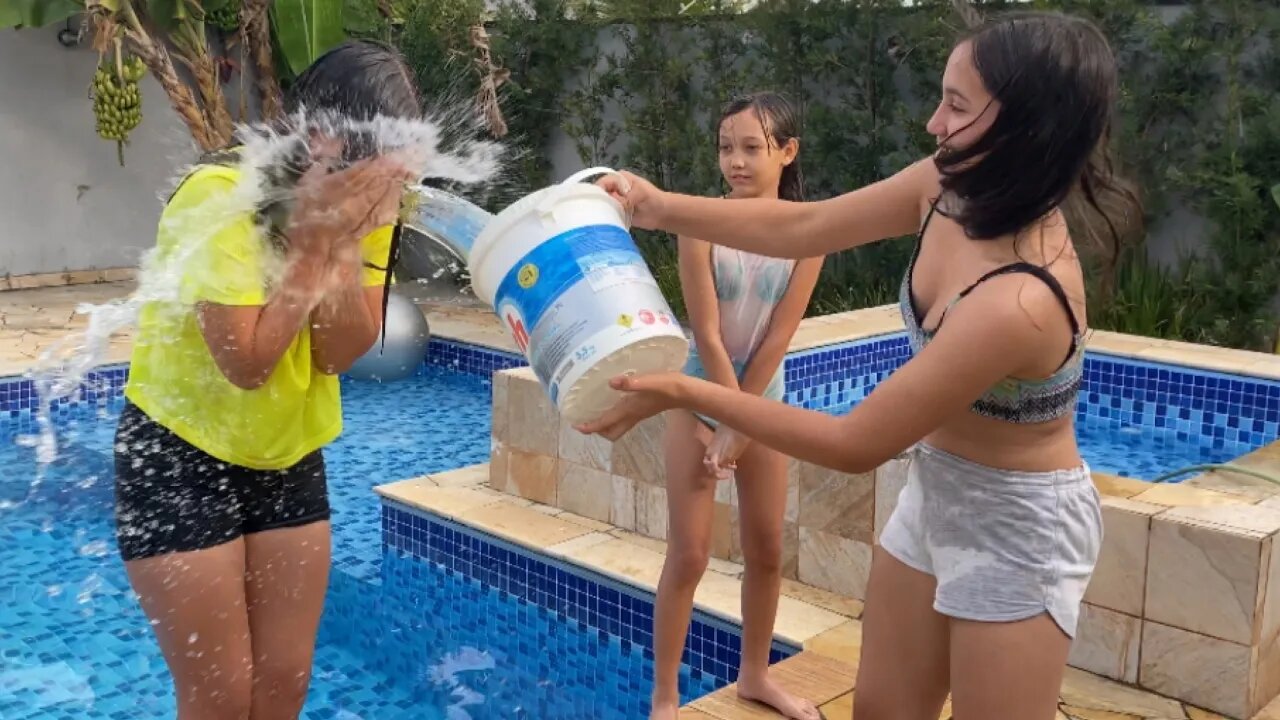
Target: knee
{"x": 687, "y": 565}
{"x": 875, "y": 703}
{"x": 281, "y": 681}
{"x": 762, "y": 555}
{"x": 222, "y": 694}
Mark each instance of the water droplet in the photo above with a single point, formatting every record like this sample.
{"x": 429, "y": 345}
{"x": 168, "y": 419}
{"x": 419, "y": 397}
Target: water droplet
{"x": 193, "y": 638}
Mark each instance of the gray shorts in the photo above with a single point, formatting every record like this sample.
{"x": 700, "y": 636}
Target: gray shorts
{"x": 1004, "y": 545}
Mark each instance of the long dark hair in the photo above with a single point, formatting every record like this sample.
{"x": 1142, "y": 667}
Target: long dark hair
{"x": 781, "y": 122}
{"x": 1055, "y": 79}
{"x": 356, "y": 80}
{"x": 360, "y": 80}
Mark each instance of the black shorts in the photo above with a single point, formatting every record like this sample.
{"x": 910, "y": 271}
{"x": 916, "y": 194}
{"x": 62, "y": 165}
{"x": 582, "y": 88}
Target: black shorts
{"x": 173, "y": 497}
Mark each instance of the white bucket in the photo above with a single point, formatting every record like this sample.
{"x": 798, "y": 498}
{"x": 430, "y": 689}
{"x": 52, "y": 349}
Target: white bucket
{"x": 561, "y": 271}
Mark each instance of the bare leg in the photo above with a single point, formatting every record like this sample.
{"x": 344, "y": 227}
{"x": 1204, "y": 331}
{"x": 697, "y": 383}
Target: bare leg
{"x": 1007, "y": 671}
{"x": 196, "y": 604}
{"x": 902, "y": 674}
{"x": 286, "y": 579}
{"x": 690, "y": 495}
{"x": 762, "y": 502}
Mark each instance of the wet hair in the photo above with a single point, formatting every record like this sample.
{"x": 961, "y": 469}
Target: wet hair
{"x": 360, "y": 80}
{"x": 781, "y": 123}
{"x": 356, "y": 80}
{"x": 1055, "y": 79}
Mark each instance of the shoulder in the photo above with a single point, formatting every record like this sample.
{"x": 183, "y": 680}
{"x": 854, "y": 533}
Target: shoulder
{"x": 203, "y": 183}
{"x": 207, "y": 198}
{"x": 922, "y": 176}
{"x": 1017, "y": 311}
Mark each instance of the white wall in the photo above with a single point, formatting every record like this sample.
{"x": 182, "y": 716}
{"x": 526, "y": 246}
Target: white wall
{"x": 65, "y": 203}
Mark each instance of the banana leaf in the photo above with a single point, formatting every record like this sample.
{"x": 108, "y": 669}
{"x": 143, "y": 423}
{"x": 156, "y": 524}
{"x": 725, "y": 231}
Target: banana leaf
{"x": 361, "y": 18}
{"x": 305, "y": 29}
{"x": 36, "y": 13}
{"x": 1275, "y": 193}
{"x": 166, "y": 13}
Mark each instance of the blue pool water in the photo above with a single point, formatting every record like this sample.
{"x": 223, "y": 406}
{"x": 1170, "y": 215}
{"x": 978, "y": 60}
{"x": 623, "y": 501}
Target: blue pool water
{"x": 1134, "y": 418}
{"x": 74, "y": 644}
{"x": 1141, "y": 452}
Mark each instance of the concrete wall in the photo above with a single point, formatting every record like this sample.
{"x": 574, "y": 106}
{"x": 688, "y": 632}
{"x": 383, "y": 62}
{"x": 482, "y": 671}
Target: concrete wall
{"x": 65, "y": 202}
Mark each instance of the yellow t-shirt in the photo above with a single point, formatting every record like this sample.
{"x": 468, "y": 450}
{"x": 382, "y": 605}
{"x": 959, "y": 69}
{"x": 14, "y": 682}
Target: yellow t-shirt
{"x": 226, "y": 259}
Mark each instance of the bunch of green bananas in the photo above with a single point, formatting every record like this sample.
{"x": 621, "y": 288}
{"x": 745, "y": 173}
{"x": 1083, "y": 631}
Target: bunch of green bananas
{"x": 225, "y": 17}
{"x": 117, "y": 100}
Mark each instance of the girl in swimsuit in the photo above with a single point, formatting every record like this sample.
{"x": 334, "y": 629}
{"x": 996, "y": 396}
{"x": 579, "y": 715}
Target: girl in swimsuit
{"x": 976, "y": 585}
{"x": 743, "y": 309}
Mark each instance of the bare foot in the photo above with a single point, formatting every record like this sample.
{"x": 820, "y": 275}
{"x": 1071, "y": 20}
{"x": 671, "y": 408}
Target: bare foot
{"x": 770, "y": 693}
{"x": 663, "y": 710}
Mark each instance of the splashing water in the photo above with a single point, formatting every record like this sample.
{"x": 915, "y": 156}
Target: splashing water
{"x": 270, "y": 159}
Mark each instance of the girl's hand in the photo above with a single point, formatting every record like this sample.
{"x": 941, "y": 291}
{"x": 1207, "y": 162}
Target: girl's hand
{"x": 723, "y": 452}
{"x": 640, "y": 198}
{"x": 643, "y": 397}
{"x": 337, "y": 208}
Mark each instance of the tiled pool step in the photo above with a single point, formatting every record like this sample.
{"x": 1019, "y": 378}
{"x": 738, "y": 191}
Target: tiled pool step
{"x": 825, "y": 624}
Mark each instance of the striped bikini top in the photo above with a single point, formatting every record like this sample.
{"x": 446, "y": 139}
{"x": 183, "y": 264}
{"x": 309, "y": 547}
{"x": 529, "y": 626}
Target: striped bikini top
{"x": 1014, "y": 400}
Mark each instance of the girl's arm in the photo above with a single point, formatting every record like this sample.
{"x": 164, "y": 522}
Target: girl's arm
{"x": 782, "y": 327}
{"x": 985, "y": 339}
{"x": 246, "y": 341}
{"x": 780, "y": 228}
{"x": 345, "y": 325}
{"x": 697, "y": 284}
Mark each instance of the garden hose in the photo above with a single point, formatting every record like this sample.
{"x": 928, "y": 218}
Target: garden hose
{"x": 1225, "y": 467}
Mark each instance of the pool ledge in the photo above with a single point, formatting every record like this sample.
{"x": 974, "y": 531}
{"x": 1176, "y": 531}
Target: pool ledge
{"x": 462, "y": 496}
{"x": 827, "y": 624}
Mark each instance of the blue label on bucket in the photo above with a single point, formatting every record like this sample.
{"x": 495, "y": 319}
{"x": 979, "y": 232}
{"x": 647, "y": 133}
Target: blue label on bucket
{"x": 598, "y": 254}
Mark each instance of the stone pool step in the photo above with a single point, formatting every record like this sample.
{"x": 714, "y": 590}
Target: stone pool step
{"x": 825, "y": 624}
{"x": 827, "y": 682}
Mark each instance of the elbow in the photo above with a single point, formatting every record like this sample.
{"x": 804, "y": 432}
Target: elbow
{"x": 855, "y": 461}
{"x": 244, "y": 375}
{"x": 246, "y": 381}
{"x": 810, "y": 227}
{"x": 335, "y": 368}
{"x": 857, "y": 465}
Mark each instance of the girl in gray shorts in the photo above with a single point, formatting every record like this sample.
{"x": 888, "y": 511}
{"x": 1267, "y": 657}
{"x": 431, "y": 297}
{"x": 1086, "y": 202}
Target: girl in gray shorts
{"x": 976, "y": 585}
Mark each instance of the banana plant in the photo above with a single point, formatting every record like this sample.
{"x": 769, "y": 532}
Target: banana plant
{"x": 168, "y": 33}
{"x": 305, "y": 29}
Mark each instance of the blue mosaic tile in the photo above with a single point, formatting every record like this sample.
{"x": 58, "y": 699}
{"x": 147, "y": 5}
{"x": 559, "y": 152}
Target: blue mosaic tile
{"x": 18, "y": 398}
{"x": 833, "y": 378}
{"x": 471, "y": 359}
{"x": 712, "y": 647}
{"x": 1134, "y": 418}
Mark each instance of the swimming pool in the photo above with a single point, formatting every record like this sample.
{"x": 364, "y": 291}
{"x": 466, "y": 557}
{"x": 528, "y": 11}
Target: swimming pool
{"x": 402, "y": 636}
{"x": 1134, "y": 418}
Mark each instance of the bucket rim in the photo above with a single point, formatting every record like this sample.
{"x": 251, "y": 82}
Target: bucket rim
{"x": 510, "y": 215}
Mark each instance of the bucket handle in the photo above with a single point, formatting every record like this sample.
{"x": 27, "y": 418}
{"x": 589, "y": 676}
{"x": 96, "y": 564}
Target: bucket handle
{"x": 589, "y": 172}
{"x": 546, "y": 207}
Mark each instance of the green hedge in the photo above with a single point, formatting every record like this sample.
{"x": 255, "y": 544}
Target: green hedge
{"x": 1200, "y": 122}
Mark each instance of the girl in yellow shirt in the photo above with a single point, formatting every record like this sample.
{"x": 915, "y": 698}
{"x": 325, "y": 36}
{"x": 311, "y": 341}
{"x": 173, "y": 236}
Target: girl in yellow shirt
{"x": 222, "y": 507}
